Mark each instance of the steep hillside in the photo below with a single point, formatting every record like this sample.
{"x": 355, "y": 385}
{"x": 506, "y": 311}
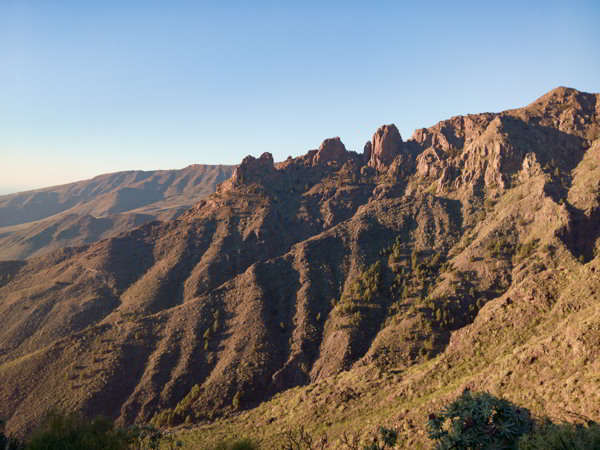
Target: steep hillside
{"x": 335, "y": 289}
{"x": 36, "y": 222}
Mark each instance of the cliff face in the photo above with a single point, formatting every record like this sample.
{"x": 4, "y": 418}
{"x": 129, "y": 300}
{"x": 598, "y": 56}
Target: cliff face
{"x": 333, "y": 261}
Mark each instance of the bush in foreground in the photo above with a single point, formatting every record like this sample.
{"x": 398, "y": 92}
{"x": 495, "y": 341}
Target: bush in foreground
{"x": 478, "y": 421}
{"x": 72, "y": 432}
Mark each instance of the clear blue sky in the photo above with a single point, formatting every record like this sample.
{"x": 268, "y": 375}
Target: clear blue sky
{"x": 89, "y": 87}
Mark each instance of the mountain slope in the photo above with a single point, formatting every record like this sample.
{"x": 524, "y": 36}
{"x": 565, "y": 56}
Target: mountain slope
{"x": 400, "y": 275}
{"x": 35, "y": 222}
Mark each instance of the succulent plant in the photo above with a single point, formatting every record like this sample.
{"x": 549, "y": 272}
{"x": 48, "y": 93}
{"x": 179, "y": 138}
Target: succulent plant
{"x": 478, "y": 421}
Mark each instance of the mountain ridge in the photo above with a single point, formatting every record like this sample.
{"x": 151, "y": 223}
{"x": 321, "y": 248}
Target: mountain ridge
{"x": 34, "y": 222}
{"x": 333, "y": 266}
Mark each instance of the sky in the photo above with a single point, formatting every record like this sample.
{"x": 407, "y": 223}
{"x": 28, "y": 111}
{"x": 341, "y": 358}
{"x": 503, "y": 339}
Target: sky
{"x": 95, "y": 87}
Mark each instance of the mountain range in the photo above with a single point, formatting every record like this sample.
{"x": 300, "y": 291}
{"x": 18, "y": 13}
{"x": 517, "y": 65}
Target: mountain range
{"x": 335, "y": 290}
{"x": 36, "y": 222}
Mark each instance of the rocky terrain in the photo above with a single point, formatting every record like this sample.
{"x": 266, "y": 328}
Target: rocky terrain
{"x": 36, "y": 222}
{"x": 336, "y": 290}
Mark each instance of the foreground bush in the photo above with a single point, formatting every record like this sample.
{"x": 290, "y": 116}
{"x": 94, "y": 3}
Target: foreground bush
{"x": 72, "y": 432}
{"x": 563, "y": 436}
{"x": 478, "y": 421}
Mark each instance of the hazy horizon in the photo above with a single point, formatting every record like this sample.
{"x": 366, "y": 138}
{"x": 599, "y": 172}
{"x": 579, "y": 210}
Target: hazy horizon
{"x": 89, "y": 89}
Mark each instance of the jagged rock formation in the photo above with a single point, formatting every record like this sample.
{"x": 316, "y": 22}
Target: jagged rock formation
{"x": 251, "y": 166}
{"x": 475, "y": 243}
{"x": 386, "y": 145}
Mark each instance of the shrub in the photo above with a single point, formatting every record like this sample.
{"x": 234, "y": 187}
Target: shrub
{"x": 525, "y": 250}
{"x": 72, "y": 432}
{"x": 478, "y": 421}
{"x": 562, "y": 436}
{"x": 363, "y": 288}
{"x": 302, "y": 440}
{"x": 148, "y": 437}
{"x": 499, "y": 248}
{"x": 386, "y": 438}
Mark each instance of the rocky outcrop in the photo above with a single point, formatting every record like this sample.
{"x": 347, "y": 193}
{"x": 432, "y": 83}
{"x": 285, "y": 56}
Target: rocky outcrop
{"x": 531, "y": 167}
{"x": 332, "y": 149}
{"x": 448, "y": 174}
{"x": 403, "y": 166}
{"x": 251, "y": 167}
{"x": 454, "y": 135}
{"x": 386, "y": 145}
{"x": 430, "y": 163}
{"x": 367, "y": 152}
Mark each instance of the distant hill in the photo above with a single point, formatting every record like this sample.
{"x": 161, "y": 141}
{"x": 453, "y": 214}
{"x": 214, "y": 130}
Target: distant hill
{"x": 335, "y": 290}
{"x": 35, "y": 222}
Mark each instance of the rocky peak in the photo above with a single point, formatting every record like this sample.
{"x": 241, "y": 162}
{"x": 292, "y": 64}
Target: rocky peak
{"x": 330, "y": 150}
{"x": 556, "y": 97}
{"x": 385, "y": 146}
{"x": 249, "y": 169}
{"x": 566, "y": 110}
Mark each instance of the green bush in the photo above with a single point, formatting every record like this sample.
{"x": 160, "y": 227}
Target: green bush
{"x": 386, "y": 438}
{"x": 478, "y": 421}
{"x": 146, "y": 437}
{"x": 562, "y": 436}
{"x": 71, "y": 432}
{"x": 363, "y": 288}
{"x": 500, "y": 248}
{"x": 525, "y": 250}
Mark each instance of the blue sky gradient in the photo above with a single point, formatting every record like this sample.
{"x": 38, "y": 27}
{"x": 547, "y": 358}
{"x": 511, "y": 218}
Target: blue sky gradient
{"x": 95, "y": 87}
